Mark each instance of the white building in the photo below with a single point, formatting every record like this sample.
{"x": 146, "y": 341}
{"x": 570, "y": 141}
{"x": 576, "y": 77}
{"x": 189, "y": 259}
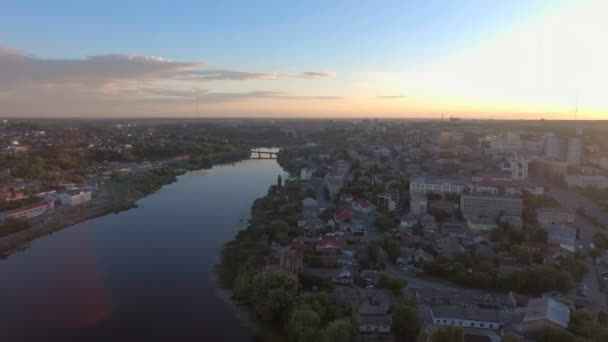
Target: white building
{"x": 305, "y": 174}
{"x": 587, "y": 181}
{"x": 418, "y": 203}
{"x": 75, "y": 198}
{"x": 426, "y": 184}
{"x": 465, "y": 317}
{"x": 517, "y": 166}
{"x": 574, "y": 151}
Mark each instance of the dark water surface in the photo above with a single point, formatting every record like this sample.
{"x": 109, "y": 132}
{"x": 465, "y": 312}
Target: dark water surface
{"x": 140, "y": 275}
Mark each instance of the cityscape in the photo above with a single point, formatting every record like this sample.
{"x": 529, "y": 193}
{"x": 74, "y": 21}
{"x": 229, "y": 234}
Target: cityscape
{"x": 304, "y": 172}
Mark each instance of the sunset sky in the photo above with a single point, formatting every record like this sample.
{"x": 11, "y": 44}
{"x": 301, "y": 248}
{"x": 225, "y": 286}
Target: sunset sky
{"x": 470, "y": 58}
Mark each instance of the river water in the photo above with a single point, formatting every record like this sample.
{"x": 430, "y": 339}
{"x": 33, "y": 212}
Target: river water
{"x": 141, "y": 275}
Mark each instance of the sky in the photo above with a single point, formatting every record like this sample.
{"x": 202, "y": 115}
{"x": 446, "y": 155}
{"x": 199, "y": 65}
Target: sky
{"x": 516, "y": 59}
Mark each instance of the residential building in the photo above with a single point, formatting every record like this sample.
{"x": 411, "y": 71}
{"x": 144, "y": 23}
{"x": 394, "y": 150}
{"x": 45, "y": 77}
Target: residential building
{"x": 29, "y": 211}
{"x": 555, "y": 215}
{"x": 74, "y": 197}
{"x": 481, "y": 223}
{"x": 465, "y": 317}
{"x": 490, "y": 206}
{"x": 363, "y": 206}
{"x": 388, "y": 202}
{"x": 374, "y": 318}
{"x": 561, "y": 235}
{"x": 418, "y": 203}
{"x": 426, "y": 184}
{"x": 546, "y": 312}
{"x": 516, "y": 166}
{"x": 574, "y": 151}
{"x": 553, "y": 148}
{"x": 587, "y": 181}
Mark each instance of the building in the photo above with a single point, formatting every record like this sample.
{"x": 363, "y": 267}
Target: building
{"x": 291, "y": 259}
{"x": 555, "y": 215}
{"x": 388, "y": 202}
{"x": 29, "y": 211}
{"x": 305, "y": 174}
{"x": 465, "y": 317}
{"x": 516, "y": 166}
{"x": 363, "y": 206}
{"x": 553, "y": 148}
{"x": 481, "y": 223}
{"x": 418, "y": 203}
{"x": 74, "y": 198}
{"x": 574, "y": 152}
{"x": 374, "y": 318}
{"x": 490, "y": 206}
{"x": 561, "y": 235}
{"x": 587, "y": 181}
{"x": 426, "y": 184}
{"x": 546, "y": 312}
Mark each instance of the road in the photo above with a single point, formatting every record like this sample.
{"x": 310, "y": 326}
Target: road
{"x": 596, "y": 299}
{"x": 412, "y": 280}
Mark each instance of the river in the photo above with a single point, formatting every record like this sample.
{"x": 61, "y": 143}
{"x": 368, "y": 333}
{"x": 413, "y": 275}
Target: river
{"x": 145, "y": 274}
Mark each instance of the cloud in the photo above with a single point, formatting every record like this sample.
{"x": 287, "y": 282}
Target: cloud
{"x": 19, "y": 69}
{"x": 315, "y": 75}
{"x": 233, "y": 75}
{"x": 206, "y": 96}
{"x": 391, "y": 97}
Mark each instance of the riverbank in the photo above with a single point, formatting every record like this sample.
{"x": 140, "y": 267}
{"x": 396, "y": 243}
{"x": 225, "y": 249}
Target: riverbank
{"x": 117, "y": 195}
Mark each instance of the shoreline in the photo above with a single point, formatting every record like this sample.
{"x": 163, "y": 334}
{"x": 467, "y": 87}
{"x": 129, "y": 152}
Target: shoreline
{"x": 99, "y": 206}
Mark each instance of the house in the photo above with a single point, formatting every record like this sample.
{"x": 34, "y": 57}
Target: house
{"x": 421, "y": 256}
{"x": 363, "y": 206}
{"x": 546, "y": 312}
{"x": 343, "y": 215}
{"x": 329, "y": 244}
{"x": 29, "y": 211}
{"x": 449, "y": 247}
{"x": 373, "y": 318}
{"x": 343, "y": 278}
{"x": 310, "y": 204}
{"x": 465, "y": 317}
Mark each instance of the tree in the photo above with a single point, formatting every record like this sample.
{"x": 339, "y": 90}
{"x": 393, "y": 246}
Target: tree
{"x": 418, "y": 228}
{"x": 406, "y": 322}
{"x": 383, "y": 222}
{"x": 549, "y": 334}
{"x": 338, "y": 331}
{"x": 392, "y": 247}
{"x": 509, "y": 338}
{"x": 273, "y": 294}
{"x": 279, "y": 181}
{"x": 304, "y": 325}
{"x": 395, "y": 284}
{"x": 448, "y": 334}
{"x": 582, "y": 322}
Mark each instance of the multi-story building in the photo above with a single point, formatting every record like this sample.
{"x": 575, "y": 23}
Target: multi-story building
{"x": 587, "y": 181}
{"x": 418, "y": 203}
{"x": 29, "y": 211}
{"x": 427, "y": 184}
{"x": 555, "y": 215}
{"x": 517, "y": 166}
{"x": 482, "y": 205}
{"x": 553, "y": 148}
{"x": 388, "y": 202}
{"x": 574, "y": 152}
{"x": 74, "y": 198}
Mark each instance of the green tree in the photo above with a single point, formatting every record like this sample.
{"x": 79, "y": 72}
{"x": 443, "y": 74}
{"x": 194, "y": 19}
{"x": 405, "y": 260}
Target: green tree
{"x": 549, "y": 334}
{"x": 304, "y": 325}
{"x": 448, "y": 334}
{"x": 383, "y": 222}
{"x": 509, "y": 338}
{"x": 582, "y": 322}
{"x": 338, "y": 331}
{"x": 395, "y": 284}
{"x": 273, "y": 294}
{"x": 392, "y": 247}
{"x": 279, "y": 181}
{"x": 406, "y": 322}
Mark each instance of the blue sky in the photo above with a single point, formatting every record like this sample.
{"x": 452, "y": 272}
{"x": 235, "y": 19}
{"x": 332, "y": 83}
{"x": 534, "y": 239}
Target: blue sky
{"x": 343, "y": 38}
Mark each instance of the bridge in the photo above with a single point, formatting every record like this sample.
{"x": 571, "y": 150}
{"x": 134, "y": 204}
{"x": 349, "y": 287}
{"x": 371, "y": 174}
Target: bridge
{"x": 262, "y": 154}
